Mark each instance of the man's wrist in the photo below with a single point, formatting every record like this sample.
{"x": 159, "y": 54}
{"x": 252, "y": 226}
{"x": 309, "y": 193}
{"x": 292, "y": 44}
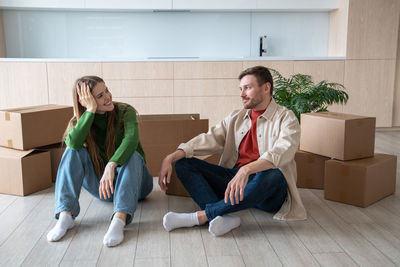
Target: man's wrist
{"x": 246, "y": 170}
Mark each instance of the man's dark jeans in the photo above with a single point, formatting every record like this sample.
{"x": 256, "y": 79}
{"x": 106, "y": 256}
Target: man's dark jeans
{"x": 206, "y": 184}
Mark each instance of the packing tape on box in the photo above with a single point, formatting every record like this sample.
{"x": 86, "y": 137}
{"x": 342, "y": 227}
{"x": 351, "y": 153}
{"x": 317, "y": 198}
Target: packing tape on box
{"x": 10, "y": 143}
{"x": 7, "y": 116}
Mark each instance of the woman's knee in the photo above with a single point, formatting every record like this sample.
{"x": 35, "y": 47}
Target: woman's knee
{"x": 135, "y": 159}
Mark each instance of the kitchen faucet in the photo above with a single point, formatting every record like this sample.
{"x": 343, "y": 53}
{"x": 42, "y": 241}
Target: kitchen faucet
{"x": 262, "y": 41}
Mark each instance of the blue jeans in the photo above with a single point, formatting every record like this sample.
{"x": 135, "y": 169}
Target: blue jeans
{"x": 206, "y": 184}
{"x": 132, "y": 182}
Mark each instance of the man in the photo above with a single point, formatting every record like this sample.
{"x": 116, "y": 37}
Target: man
{"x": 257, "y": 168}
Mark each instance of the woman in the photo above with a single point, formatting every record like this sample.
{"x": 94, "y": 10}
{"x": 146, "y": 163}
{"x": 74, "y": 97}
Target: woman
{"x": 104, "y": 155}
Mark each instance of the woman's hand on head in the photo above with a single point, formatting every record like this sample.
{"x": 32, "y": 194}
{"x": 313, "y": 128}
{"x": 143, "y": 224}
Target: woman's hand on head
{"x": 106, "y": 188}
{"x": 86, "y": 98}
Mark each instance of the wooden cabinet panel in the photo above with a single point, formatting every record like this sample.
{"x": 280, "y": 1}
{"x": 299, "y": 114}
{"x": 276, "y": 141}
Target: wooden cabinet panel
{"x": 396, "y": 97}
{"x": 372, "y": 29}
{"x": 338, "y": 21}
{"x": 285, "y": 68}
{"x": 62, "y": 76}
{"x": 138, "y": 70}
{"x": 213, "y": 108}
{"x": 140, "y": 88}
{"x": 207, "y": 70}
{"x": 23, "y": 84}
{"x": 330, "y": 70}
{"x": 149, "y": 105}
{"x": 370, "y": 86}
{"x": 213, "y": 87}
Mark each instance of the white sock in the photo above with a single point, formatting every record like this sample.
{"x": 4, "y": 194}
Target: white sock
{"x": 115, "y": 233}
{"x": 64, "y": 223}
{"x": 173, "y": 220}
{"x": 223, "y": 224}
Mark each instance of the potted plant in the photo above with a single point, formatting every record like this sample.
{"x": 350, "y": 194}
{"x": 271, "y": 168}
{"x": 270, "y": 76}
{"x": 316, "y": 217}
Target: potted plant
{"x": 301, "y": 95}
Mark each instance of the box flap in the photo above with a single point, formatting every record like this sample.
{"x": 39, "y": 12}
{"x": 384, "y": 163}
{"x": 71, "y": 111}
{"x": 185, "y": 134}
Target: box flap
{"x": 14, "y": 153}
{"x": 335, "y": 115}
{"x": 35, "y": 108}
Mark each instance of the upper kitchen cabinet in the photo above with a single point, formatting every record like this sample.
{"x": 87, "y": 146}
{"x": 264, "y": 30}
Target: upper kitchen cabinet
{"x": 213, "y": 5}
{"x": 257, "y": 5}
{"x": 297, "y": 5}
{"x": 42, "y": 4}
{"x": 129, "y": 4}
{"x": 88, "y": 4}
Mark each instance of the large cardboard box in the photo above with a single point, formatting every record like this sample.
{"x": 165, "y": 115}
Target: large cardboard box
{"x": 24, "y": 172}
{"x": 31, "y": 127}
{"x": 175, "y": 186}
{"x": 360, "y": 182}
{"x": 160, "y": 135}
{"x": 337, "y": 135}
{"x": 56, "y": 152}
{"x": 310, "y": 170}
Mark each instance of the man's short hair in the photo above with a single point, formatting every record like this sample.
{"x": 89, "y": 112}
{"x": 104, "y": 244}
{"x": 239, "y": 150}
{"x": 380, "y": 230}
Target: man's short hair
{"x": 262, "y": 74}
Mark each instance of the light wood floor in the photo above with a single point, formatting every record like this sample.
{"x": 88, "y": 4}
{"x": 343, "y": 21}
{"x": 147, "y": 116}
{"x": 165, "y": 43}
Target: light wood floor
{"x": 334, "y": 235}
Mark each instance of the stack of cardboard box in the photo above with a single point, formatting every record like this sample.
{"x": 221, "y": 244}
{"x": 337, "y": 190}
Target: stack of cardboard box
{"x": 26, "y": 166}
{"x": 337, "y": 154}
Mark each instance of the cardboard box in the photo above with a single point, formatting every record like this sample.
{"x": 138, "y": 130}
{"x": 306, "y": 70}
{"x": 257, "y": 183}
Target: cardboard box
{"x": 56, "y": 152}
{"x": 31, "y": 127}
{"x": 160, "y": 135}
{"x": 176, "y": 188}
{"x": 310, "y": 170}
{"x": 360, "y": 182}
{"x": 337, "y": 135}
{"x": 24, "y": 172}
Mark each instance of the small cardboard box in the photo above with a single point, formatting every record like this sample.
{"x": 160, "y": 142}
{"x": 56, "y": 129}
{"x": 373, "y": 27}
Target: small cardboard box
{"x": 56, "y": 152}
{"x": 310, "y": 170}
{"x": 175, "y": 186}
{"x": 360, "y": 182}
{"x": 31, "y": 127}
{"x": 337, "y": 135}
{"x": 160, "y": 135}
{"x": 24, "y": 172}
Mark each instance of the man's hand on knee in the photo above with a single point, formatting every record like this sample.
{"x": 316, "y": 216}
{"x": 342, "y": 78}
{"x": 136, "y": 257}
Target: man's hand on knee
{"x": 235, "y": 190}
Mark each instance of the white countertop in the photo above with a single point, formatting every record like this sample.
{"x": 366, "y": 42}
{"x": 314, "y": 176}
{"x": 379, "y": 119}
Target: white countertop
{"x": 173, "y": 59}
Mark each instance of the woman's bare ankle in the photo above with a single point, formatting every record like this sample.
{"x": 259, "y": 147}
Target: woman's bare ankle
{"x": 120, "y": 215}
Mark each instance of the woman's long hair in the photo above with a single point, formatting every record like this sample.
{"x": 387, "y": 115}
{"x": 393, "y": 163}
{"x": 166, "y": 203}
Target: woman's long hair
{"x": 90, "y": 142}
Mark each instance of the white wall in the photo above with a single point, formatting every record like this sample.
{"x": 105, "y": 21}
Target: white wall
{"x": 71, "y": 34}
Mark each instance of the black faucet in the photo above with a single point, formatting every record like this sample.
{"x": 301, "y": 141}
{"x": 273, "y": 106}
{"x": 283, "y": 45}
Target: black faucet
{"x": 262, "y": 49}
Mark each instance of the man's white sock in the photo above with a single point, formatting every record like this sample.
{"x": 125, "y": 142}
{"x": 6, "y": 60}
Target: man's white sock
{"x": 223, "y": 224}
{"x": 64, "y": 223}
{"x": 115, "y": 233}
{"x": 173, "y": 220}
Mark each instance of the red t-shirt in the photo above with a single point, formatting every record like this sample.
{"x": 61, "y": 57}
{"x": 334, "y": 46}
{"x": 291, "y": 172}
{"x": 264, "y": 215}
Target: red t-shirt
{"x": 248, "y": 148}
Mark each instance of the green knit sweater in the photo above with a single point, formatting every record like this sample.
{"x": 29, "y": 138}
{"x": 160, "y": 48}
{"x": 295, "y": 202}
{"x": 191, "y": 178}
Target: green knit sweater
{"x": 126, "y": 138}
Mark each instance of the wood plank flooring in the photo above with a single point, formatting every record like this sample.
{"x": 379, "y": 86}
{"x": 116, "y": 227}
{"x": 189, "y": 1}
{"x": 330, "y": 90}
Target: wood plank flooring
{"x": 334, "y": 235}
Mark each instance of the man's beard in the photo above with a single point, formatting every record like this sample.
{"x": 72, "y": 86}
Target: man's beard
{"x": 252, "y": 103}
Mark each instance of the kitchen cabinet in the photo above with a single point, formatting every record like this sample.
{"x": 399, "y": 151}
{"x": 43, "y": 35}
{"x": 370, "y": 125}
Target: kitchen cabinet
{"x": 296, "y": 5}
{"x": 129, "y": 4}
{"x": 62, "y": 4}
{"x": 214, "y": 5}
{"x": 204, "y": 5}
